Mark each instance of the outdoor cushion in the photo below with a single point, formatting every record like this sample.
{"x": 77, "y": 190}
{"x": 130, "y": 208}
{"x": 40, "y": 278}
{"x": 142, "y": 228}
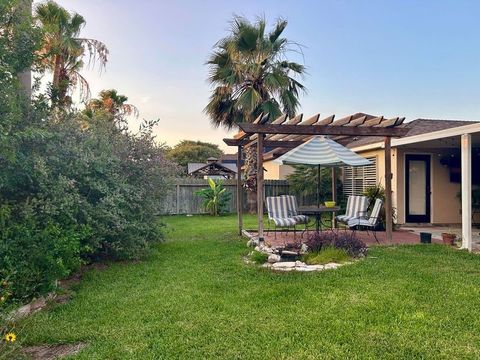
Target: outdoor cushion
{"x": 370, "y": 221}
{"x": 301, "y": 219}
{"x": 356, "y": 207}
{"x": 284, "y": 221}
{"x": 292, "y": 209}
{"x": 278, "y": 213}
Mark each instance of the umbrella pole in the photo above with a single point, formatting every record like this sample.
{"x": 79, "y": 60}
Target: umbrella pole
{"x": 318, "y": 186}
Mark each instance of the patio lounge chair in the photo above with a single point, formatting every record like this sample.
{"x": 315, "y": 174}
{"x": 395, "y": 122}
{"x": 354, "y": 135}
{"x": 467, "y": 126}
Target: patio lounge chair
{"x": 278, "y": 213}
{"x": 356, "y": 207}
{"x": 369, "y": 222}
{"x": 292, "y": 208}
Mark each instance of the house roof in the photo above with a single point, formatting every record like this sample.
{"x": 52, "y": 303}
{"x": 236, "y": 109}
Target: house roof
{"x": 416, "y": 127}
{"x": 199, "y": 167}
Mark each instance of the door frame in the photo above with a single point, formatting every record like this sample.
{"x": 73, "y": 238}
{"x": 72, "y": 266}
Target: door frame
{"x": 428, "y": 189}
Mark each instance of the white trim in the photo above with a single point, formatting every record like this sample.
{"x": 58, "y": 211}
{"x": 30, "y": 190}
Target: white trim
{"x": 455, "y": 131}
{"x": 466, "y": 146}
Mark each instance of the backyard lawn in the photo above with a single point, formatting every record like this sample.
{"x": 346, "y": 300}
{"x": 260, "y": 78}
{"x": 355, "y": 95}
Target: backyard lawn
{"x": 194, "y": 297}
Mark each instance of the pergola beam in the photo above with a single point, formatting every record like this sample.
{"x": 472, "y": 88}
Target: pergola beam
{"x": 248, "y": 128}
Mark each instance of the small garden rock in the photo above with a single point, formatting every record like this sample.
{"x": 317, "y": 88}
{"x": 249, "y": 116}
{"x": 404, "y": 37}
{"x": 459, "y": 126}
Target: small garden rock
{"x": 331, "y": 266}
{"x": 273, "y": 258}
{"x": 284, "y": 265}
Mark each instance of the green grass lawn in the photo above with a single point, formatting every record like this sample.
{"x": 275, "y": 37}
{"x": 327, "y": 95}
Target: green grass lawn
{"x": 194, "y": 298}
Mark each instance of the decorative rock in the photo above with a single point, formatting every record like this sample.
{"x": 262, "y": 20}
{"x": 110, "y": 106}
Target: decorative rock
{"x": 252, "y": 242}
{"x": 316, "y": 267}
{"x": 22, "y": 312}
{"x": 306, "y": 268}
{"x": 273, "y": 258}
{"x": 289, "y": 253}
{"x": 283, "y": 265}
{"x": 331, "y": 266}
{"x": 304, "y": 249}
{"x": 298, "y": 263}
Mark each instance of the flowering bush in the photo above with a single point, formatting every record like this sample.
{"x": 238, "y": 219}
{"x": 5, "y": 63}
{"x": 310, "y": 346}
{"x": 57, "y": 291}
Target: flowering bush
{"x": 339, "y": 240}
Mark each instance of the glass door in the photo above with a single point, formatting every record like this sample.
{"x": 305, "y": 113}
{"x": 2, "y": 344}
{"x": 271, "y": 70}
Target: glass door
{"x": 417, "y": 181}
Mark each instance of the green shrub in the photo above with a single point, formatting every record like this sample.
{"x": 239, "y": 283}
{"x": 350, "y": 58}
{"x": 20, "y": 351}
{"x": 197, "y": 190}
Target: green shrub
{"x": 215, "y": 197}
{"x": 327, "y": 255}
{"x": 73, "y": 188}
{"x": 258, "y": 257}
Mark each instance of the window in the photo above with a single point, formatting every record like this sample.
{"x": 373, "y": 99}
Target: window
{"x": 357, "y": 179}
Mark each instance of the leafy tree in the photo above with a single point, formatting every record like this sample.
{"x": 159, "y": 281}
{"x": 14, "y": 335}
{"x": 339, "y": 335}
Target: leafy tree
{"x": 251, "y": 75}
{"x": 188, "y": 151}
{"x": 303, "y": 181}
{"x": 63, "y": 50}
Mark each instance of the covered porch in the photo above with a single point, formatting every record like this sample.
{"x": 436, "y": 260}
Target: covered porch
{"x": 436, "y": 182}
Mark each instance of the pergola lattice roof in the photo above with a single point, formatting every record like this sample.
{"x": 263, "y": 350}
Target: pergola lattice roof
{"x": 288, "y": 133}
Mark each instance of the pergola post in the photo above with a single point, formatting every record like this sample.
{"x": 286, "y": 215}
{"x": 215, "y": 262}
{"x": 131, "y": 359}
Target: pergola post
{"x": 388, "y": 190}
{"x": 260, "y": 188}
{"x": 466, "y": 149}
{"x": 239, "y": 190}
{"x": 334, "y": 193}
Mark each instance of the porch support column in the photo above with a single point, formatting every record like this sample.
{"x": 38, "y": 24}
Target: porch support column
{"x": 260, "y": 190}
{"x": 239, "y": 190}
{"x": 334, "y": 194}
{"x": 466, "y": 147}
{"x": 388, "y": 190}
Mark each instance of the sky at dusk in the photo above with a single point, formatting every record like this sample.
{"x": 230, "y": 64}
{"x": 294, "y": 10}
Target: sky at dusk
{"x": 392, "y": 58}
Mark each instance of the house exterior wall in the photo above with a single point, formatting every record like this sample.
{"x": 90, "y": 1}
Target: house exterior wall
{"x": 445, "y": 206}
{"x": 276, "y": 171}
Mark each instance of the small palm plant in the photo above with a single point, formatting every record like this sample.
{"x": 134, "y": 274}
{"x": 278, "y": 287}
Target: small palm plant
{"x": 215, "y": 197}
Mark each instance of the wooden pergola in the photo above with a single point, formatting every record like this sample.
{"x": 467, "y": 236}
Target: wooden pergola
{"x": 289, "y": 133}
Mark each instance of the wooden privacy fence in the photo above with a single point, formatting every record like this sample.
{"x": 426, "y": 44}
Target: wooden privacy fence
{"x": 181, "y": 198}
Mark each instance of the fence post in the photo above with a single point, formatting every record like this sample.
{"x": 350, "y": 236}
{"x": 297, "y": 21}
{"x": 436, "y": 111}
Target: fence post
{"x": 178, "y": 199}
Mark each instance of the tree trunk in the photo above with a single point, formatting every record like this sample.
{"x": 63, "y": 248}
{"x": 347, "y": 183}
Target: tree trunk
{"x": 251, "y": 179}
{"x": 251, "y": 202}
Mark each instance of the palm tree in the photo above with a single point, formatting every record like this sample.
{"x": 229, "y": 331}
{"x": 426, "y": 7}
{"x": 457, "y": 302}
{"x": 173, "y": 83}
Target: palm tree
{"x": 63, "y": 50}
{"x": 113, "y": 104}
{"x": 251, "y": 74}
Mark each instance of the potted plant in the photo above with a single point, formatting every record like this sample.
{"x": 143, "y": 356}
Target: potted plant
{"x": 449, "y": 238}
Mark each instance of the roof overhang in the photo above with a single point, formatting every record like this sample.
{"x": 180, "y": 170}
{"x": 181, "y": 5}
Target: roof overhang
{"x": 435, "y": 135}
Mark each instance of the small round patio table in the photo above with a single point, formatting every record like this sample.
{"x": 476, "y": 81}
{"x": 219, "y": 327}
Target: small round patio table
{"x": 318, "y": 211}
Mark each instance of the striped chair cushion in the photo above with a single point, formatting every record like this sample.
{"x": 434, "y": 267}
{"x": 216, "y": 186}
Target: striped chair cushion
{"x": 359, "y": 222}
{"x": 372, "y": 220}
{"x": 356, "y": 207}
{"x": 301, "y": 219}
{"x": 284, "y": 221}
{"x": 277, "y": 211}
{"x": 375, "y": 215}
{"x": 292, "y": 208}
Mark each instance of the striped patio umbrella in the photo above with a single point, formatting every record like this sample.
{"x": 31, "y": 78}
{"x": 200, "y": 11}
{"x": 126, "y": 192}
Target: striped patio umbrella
{"x": 321, "y": 151}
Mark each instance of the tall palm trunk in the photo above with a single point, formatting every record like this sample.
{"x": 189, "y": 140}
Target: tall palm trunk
{"x": 251, "y": 176}
{"x": 57, "y": 70}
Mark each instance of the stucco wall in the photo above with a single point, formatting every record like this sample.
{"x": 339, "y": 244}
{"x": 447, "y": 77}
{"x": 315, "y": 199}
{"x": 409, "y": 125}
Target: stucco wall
{"x": 445, "y": 207}
{"x": 276, "y": 171}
